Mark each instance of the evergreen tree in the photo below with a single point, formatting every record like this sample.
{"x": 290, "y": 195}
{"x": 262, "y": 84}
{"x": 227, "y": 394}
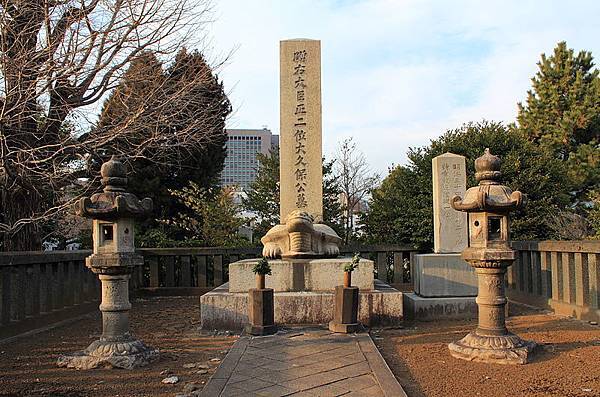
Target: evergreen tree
{"x": 212, "y": 220}
{"x": 562, "y": 110}
{"x": 401, "y": 208}
{"x": 196, "y": 94}
{"x": 562, "y": 116}
{"x": 262, "y": 198}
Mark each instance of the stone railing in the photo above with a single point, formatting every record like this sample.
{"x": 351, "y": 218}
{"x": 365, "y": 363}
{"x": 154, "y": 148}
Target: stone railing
{"x": 41, "y": 287}
{"x": 563, "y": 276}
{"x": 38, "y": 288}
{"x": 191, "y": 271}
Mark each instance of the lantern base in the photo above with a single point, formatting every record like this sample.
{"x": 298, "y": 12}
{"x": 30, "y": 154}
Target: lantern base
{"x": 127, "y": 354}
{"x": 503, "y": 349}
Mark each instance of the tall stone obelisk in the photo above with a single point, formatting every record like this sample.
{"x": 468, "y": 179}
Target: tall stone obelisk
{"x": 301, "y": 170}
{"x": 301, "y": 232}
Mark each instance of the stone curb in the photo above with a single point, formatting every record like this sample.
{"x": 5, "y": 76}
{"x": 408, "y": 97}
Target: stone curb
{"x": 388, "y": 382}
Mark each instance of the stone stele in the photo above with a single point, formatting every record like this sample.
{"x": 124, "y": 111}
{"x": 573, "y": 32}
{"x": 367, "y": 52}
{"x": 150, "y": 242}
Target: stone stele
{"x": 301, "y": 233}
{"x": 449, "y": 226}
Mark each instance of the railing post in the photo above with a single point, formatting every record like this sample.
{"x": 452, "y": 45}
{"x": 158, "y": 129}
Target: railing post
{"x": 382, "y": 266}
{"x": 594, "y": 268}
{"x": 568, "y": 275}
{"x": 186, "y": 271}
{"x": 153, "y": 262}
{"x": 555, "y": 264}
{"x": 398, "y": 267}
{"x": 169, "y": 262}
{"x": 20, "y": 302}
{"x": 33, "y": 277}
{"x": 6, "y": 295}
{"x": 218, "y": 269}
{"x": 201, "y": 261}
{"x": 581, "y": 279}
{"x": 546, "y": 283}
{"x": 536, "y": 277}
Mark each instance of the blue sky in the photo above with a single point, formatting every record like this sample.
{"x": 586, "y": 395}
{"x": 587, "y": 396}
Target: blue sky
{"x": 395, "y": 73}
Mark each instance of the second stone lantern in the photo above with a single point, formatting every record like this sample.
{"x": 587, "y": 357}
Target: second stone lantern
{"x": 489, "y": 252}
{"x": 113, "y": 259}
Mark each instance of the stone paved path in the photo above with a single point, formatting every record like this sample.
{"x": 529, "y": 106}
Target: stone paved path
{"x": 305, "y": 362}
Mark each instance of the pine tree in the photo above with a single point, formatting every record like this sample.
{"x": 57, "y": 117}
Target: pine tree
{"x": 196, "y": 98}
{"x": 262, "y": 198}
{"x": 562, "y": 116}
{"x": 563, "y": 107}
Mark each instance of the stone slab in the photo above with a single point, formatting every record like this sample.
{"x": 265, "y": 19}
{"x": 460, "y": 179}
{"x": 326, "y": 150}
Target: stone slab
{"x": 432, "y": 309}
{"x": 224, "y": 310}
{"x": 301, "y": 275}
{"x": 443, "y": 275}
{"x": 304, "y": 361}
{"x": 301, "y": 171}
{"x": 449, "y": 226}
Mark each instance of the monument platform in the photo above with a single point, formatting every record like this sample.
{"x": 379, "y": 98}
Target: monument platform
{"x": 445, "y": 289}
{"x": 301, "y": 275}
{"x": 443, "y": 275}
{"x": 224, "y": 310}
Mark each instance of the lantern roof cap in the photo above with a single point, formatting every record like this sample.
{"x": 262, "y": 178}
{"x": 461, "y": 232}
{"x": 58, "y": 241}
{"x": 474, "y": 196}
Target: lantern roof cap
{"x": 489, "y": 195}
{"x": 114, "y": 201}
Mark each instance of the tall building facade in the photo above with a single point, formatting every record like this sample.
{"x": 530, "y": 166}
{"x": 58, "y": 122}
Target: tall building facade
{"x": 241, "y": 163}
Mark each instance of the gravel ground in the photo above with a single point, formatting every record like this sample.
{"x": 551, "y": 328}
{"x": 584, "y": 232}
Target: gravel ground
{"x": 567, "y": 363}
{"x": 27, "y": 365}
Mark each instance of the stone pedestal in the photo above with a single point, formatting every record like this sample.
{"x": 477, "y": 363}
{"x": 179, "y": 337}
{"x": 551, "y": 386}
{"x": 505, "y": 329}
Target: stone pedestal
{"x": 116, "y": 348}
{"x": 445, "y": 288}
{"x": 443, "y": 275}
{"x": 491, "y": 342}
{"x": 261, "y": 312}
{"x": 301, "y": 275}
{"x": 224, "y": 310}
{"x": 345, "y": 315}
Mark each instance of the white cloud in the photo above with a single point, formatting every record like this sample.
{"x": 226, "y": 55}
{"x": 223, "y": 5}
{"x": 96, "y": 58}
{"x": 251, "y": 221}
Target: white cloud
{"x": 396, "y": 73}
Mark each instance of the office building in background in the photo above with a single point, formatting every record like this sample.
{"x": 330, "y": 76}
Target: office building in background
{"x": 241, "y": 163}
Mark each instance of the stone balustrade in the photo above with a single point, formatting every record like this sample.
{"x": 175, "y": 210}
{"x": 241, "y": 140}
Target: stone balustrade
{"x": 39, "y": 288}
{"x": 563, "y": 276}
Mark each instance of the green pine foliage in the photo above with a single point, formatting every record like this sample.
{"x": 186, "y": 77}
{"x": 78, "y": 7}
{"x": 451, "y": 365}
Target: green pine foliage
{"x": 562, "y": 110}
{"x": 196, "y": 98}
{"x": 263, "y": 196}
{"x": 401, "y": 208}
{"x": 212, "y": 218}
{"x": 562, "y": 116}
{"x": 262, "y": 267}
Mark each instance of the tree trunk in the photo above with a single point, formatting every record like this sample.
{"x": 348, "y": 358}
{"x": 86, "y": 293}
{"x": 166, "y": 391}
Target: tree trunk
{"x": 18, "y": 205}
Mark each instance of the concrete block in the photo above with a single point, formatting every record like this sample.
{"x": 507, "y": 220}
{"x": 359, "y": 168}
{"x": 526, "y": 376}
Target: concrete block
{"x": 443, "y": 275}
{"x": 445, "y": 308}
{"x": 224, "y": 310}
{"x": 301, "y": 275}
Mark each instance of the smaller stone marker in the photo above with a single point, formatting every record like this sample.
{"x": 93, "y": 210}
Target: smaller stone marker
{"x": 449, "y": 226}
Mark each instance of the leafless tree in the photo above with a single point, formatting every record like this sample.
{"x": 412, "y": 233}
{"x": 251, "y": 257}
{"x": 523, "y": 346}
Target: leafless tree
{"x": 356, "y": 181}
{"x": 58, "y": 58}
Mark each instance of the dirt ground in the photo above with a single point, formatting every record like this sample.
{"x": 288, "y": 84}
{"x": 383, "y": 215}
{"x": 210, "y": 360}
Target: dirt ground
{"x": 567, "y": 363}
{"x": 27, "y": 365}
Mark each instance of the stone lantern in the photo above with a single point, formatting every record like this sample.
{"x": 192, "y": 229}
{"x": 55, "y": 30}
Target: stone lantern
{"x": 113, "y": 258}
{"x": 489, "y": 252}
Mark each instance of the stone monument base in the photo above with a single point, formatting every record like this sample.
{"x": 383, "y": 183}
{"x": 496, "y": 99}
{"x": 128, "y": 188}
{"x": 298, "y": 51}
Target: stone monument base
{"x": 127, "y": 354}
{"x": 224, "y": 310}
{"x": 443, "y": 275}
{"x": 443, "y": 308}
{"x": 301, "y": 274}
{"x": 503, "y": 349}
